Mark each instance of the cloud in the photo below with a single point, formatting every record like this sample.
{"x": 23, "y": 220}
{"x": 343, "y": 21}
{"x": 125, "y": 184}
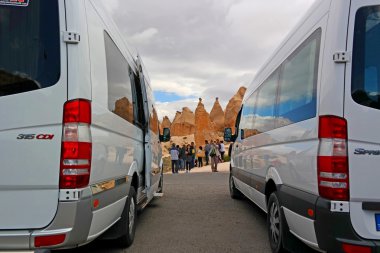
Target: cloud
{"x": 144, "y": 36}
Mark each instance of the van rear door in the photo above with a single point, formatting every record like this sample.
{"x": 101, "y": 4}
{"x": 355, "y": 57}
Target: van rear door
{"x": 362, "y": 111}
{"x": 33, "y": 89}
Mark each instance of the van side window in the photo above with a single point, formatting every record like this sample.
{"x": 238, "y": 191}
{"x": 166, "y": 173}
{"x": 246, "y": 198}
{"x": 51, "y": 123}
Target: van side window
{"x": 266, "y": 104}
{"x": 138, "y": 100}
{"x": 120, "y": 99}
{"x": 248, "y": 116}
{"x": 153, "y": 116}
{"x": 298, "y": 82}
{"x": 366, "y": 64}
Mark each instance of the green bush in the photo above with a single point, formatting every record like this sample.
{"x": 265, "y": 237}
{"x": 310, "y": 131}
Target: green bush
{"x": 227, "y": 158}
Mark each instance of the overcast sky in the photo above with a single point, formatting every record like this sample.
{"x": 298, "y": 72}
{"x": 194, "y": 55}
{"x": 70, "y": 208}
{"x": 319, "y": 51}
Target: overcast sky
{"x": 203, "y": 48}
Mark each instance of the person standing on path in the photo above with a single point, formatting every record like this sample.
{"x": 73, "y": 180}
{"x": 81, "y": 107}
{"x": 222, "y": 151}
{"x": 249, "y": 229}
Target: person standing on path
{"x": 214, "y": 156}
{"x": 182, "y": 157}
{"x": 207, "y": 151}
{"x": 200, "y": 155}
{"x": 222, "y": 150}
{"x": 192, "y": 152}
{"x": 174, "y": 153}
{"x": 188, "y": 158}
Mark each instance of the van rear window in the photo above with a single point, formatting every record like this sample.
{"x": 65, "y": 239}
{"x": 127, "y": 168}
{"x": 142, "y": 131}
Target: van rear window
{"x": 29, "y": 46}
{"x": 365, "y": 85}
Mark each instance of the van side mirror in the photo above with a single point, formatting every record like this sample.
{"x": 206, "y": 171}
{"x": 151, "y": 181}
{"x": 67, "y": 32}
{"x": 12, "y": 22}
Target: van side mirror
{"x": 242, "y": 134}
{"x": 228, "y": 136}
{"x": 165, "y": 137}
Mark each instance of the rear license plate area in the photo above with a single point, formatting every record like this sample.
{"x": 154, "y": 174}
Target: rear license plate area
{"x": 377, "y": 218}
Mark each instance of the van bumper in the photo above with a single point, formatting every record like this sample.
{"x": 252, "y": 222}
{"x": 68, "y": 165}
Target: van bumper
{"x": 74, "y": 217}
{"x": 335, "y": 228}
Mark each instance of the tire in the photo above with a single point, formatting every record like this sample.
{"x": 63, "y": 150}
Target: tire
{"x": 234, "y": 192}
{"x": 275, "y": 224}
{"x": 161, "y": 184}
{"x": 126, "y": 240}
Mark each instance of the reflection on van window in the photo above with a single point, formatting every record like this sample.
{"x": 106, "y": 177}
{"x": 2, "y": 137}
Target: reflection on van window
{"x": 266, "y": 103}
{"x": 297, "y": 97}
{"x": 248, "y": 116}
{"x": 29, "y": 47}
{"x": 153, "y": 117}
{"x": 119, "y": 82}
{"x": 366, "y": 57}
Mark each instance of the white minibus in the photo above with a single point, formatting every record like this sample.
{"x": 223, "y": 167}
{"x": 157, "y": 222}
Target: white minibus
{"x": 79, "y": 134}
{"x": 307, "y": 146}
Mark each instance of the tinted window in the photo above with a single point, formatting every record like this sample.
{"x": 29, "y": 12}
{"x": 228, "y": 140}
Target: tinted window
{"x": 248, "y": 116}
{"x": 29, "y": 47}
{"x": 366, "y": 57}
{"x": 119, "y": 76}
{"x": 266, "y": 104}
{"x": 153, "y": 117}
{"x": 298, "y": 82}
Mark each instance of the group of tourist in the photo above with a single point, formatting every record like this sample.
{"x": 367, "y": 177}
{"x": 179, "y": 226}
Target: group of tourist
{"x": 188, "y": 156}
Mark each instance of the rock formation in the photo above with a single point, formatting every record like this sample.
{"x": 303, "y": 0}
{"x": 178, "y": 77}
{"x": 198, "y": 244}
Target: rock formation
{"x": 233, "y": 108}
{"x": 183, "y": 123}
{"x": 166, "y": 122}
{"x": 217, "y": 116}
{"x": 124, "y": 108}
{"x": 204, "y": 128}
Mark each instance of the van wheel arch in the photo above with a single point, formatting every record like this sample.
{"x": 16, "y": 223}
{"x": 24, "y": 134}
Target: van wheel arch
{"x": 135, "y": 181}
{"x": 270, "y": 187}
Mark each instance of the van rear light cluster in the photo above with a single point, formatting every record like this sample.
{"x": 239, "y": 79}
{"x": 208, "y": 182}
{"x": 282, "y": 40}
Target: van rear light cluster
{"x": 350, "y": 248}
{"x": 76, "y": 145}
{"x": 48, "y": 240}
{"x": 332, "y": 162}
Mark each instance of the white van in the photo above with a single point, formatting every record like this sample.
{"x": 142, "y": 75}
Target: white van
{"x": 79, "y": 133}
{"x": 307, "y": 150}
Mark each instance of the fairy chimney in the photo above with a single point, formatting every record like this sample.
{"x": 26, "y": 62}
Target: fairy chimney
{"x": 204, "y": 127}
{"x": 217, "y": 116}
{"x": 183, "y": 123}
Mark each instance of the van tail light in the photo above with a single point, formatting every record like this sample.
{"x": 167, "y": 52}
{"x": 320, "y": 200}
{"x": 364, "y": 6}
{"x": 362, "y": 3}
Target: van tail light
{"x": 76, "y": 145}
{"x": 350, "y": 248}
{"x": 48, "y": 240}
{"x": 332, "y": 161}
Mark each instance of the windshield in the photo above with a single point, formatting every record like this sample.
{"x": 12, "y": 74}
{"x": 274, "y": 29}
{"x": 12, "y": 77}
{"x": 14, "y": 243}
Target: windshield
{"x": 29, "y": 46}
{"x": 366, "y": 57}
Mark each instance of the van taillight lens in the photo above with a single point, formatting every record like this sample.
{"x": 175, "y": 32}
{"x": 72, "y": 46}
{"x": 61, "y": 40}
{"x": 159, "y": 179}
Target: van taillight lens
{"x": 76, "y": 145}
{"x": 332, "y": 161}
{"x": 48, "y": 240}
{"x": 77, "y": 111}
{"x": 350, "y": 248}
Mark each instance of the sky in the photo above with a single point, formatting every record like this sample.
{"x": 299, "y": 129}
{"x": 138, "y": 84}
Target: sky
{"x": 203, "y": 48}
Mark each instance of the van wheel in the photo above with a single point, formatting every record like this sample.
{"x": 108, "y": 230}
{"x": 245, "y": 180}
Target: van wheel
{"x": 126, "y": 240}
{"x": 161, "y": 184}
{"x": 275, "y": 224}
{"x": 234, "y": 192}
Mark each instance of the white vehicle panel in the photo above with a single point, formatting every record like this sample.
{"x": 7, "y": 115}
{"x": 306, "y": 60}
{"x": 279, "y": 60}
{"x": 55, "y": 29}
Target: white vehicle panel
{"x": 30, "y": 167}
{"x": 363, "y": 126}
{"x": 78, "y": 60}
{"x": 302, "y": 227}
{"x": 102, "y": 219}
{"x": 255, "y": 196}
{"x": 116, "y": 143}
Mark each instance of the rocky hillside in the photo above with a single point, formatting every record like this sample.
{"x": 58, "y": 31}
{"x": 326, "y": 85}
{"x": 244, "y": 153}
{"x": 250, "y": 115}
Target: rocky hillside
{"x": 201, "y": 125}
